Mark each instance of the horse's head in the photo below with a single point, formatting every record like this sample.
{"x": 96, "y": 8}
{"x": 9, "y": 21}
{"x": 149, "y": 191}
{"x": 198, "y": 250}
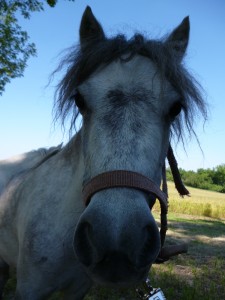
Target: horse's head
{"x": 129, "y": 93}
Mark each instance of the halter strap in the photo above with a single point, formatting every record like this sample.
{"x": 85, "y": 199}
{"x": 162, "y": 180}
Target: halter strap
{"x": 123, "y": 178}
{"x": 130, "y": 179}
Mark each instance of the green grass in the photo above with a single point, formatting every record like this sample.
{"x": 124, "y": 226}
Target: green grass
{"x": 191, "y": 281}
{"x": 200, "y": 273}
{"x": 193, "y": 276}
{"x": 197, "y": 275}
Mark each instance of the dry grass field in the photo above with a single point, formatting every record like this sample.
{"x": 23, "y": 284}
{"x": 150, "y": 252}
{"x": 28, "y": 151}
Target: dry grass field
{"x": 200, "y": 203}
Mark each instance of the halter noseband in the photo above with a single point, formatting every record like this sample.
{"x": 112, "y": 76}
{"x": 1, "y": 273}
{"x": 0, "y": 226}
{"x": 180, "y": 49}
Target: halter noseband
{"x": 123, "y": 178}
{"x": 129, "y": 179}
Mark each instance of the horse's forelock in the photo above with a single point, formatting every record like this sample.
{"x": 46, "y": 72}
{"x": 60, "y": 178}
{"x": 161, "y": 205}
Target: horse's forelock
{"x": 83, "y": 63}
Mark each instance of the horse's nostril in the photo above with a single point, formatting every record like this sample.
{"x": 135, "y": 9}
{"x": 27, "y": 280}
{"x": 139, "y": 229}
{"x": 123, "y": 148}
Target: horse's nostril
{"x": 151, "y": 245}
{"x": 83, "y": 244}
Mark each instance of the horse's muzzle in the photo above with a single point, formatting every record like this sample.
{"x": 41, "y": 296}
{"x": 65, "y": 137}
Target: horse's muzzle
{"x": 117, "y": 269}
{"x": 116, "y": 254}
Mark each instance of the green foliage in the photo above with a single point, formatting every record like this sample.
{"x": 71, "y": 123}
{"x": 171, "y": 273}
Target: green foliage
{"x": 52, "y": 3}
{"x": 207, "y": 179}
{"x": 15, "y": 48}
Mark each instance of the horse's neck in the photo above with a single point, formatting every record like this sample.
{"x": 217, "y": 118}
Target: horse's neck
{"x": 9, "y": 168}
{"x": 14, "y": 165}
{"x": 69, "y": 161}
{"x": 72, "y": 154}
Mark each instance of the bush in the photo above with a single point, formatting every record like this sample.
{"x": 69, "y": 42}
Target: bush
{"x": 207, "y": 210}
{"x": 207, "y": 179}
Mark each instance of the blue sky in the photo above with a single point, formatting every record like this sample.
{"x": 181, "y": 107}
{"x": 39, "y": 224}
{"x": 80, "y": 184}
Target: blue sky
{"x": 26, "y": 120}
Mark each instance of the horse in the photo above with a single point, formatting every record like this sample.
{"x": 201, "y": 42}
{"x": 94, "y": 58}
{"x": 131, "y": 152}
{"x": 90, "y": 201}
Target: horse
{"x": 83, "y": 215}
{"x": 11, "y": 167}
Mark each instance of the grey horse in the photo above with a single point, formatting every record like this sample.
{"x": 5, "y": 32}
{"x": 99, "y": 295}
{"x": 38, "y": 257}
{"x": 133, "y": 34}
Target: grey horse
{"x": 15, "y": 165}
{"x": 134, "y": 95}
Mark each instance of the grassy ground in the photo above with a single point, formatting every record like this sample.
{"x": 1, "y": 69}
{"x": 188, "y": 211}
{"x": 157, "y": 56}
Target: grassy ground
{"x": 197, "y": 275}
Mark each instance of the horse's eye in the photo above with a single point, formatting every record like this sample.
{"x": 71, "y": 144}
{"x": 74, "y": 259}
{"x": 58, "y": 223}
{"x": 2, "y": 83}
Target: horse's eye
{"x": 80, "y": 102}
{"x": 175, "y": 109}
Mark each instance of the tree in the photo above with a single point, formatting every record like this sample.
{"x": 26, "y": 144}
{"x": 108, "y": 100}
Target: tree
{"x": 218, "y": 176}
{"x": 208, "y": 179}
{"x": 15, "y": 48}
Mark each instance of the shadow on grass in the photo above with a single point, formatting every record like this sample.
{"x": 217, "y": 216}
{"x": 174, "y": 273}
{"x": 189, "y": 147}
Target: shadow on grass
{"x": 205, "y": 237}
{"x": 199, "y": 274}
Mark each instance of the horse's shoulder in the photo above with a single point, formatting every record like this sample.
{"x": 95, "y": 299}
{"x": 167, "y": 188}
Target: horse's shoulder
{"x": 14, "y": 166}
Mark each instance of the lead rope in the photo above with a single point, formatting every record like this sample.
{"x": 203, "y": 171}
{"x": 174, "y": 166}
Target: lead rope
{"x": 150, "y": 293}
{"x": 176, "y": 174}
{"x": 163, "y": 218}
{"x": 164, "y": 226}
{"x": 167, "y": 252}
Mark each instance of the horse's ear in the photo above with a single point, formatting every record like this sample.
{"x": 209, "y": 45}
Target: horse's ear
{"x": 178, "y": 39}
{"x": 90, "y": 29}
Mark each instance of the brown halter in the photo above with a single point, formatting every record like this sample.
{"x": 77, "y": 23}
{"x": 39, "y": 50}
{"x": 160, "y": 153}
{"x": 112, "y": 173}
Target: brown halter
{"x": 123, "y": 178}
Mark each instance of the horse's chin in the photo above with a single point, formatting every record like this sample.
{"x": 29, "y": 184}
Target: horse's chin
{"x": 118, "y": 277}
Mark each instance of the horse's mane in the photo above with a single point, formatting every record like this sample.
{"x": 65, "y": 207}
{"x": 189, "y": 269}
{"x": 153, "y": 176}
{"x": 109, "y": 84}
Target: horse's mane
{"x": 81, "y": 63}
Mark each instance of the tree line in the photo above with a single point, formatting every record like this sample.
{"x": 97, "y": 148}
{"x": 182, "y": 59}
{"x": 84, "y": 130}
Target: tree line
{"x": 207, "y": 179}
